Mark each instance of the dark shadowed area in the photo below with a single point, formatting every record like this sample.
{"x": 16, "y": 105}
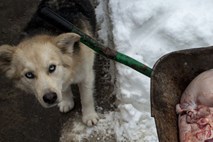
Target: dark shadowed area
{"x": 22, "y": 119}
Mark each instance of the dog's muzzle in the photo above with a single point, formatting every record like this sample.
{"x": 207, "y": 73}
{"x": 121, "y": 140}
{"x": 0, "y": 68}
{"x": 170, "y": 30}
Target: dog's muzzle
{"x": 50, "y": 98}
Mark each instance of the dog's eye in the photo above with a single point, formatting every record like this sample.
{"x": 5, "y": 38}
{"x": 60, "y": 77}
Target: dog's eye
{"x": 30, "y": 75}
{"x": 52, "y": 68}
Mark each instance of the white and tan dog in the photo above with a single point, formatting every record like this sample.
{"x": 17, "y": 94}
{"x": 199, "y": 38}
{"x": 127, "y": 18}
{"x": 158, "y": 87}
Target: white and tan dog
{"x": 46, "y": 65}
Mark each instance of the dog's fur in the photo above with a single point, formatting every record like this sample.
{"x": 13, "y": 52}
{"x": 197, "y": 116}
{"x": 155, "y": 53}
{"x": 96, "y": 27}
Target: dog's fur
{"x": 46, "y": 64}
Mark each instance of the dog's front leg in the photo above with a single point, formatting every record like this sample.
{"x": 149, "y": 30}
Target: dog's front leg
{"x": 67, "y": 102}
{"x": 90, "y": 117}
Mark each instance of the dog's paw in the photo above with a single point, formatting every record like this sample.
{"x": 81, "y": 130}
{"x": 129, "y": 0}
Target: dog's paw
{"x": 90, "y": 119}
{"x": 65, "y": 106}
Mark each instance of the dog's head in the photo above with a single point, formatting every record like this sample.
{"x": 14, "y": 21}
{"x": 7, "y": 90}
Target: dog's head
{"x": 41, "y": 65}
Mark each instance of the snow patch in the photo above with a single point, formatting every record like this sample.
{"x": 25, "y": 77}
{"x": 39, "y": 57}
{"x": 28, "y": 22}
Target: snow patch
{"x": 146, "y": 30}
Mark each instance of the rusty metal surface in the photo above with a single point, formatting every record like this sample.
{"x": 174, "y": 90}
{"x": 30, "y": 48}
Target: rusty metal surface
{"x": 172, "y": 73}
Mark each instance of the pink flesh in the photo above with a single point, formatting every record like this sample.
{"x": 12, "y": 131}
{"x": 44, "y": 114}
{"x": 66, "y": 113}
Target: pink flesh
{"x": 196, "y": 110}
{"x": 209, "y": 140}
{"x": 196, "y": 125}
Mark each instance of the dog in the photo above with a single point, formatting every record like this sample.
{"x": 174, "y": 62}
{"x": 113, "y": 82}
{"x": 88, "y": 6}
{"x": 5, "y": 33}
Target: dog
{"x": 48, "y": 60}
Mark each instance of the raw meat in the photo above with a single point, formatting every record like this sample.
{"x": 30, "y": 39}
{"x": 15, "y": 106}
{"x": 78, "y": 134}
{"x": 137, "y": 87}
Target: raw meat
{"x": 196, "y": 110}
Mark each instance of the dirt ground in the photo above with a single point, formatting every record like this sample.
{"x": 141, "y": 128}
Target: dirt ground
{"x": 22, "y": 119}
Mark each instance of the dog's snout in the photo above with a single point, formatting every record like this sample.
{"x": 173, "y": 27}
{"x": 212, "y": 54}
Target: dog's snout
{"x": 50, "y": 98}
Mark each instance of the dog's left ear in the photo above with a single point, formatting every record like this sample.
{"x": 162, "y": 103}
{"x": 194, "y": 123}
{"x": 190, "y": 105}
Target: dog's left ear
{"x": 67, "y": 42}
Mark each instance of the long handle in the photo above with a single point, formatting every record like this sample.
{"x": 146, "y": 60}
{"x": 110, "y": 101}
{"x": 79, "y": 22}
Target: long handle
{"x": 58, "y": 21}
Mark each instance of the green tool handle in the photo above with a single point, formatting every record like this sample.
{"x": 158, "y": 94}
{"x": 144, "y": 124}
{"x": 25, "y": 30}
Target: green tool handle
{"x": 53, "y": 18}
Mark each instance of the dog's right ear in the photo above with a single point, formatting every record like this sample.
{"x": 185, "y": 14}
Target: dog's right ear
{"x": 66, "y": 42}
{"x": 6, "y": 55}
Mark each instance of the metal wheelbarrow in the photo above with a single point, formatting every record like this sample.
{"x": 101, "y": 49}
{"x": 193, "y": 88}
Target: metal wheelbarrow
{"x": 171, "y": 75}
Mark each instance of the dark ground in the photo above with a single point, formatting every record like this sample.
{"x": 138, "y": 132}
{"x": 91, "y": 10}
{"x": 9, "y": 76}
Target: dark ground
{"x": 22, "y": 119}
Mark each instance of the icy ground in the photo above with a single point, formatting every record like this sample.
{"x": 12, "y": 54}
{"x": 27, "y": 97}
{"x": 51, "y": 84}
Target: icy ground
{"x": 147, "y": 30}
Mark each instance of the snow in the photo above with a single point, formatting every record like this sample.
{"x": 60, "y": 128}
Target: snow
{"x": 147, "y": 30}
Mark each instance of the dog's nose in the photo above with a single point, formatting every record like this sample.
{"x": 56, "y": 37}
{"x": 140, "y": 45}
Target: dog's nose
{"x": 50, "y": 98}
